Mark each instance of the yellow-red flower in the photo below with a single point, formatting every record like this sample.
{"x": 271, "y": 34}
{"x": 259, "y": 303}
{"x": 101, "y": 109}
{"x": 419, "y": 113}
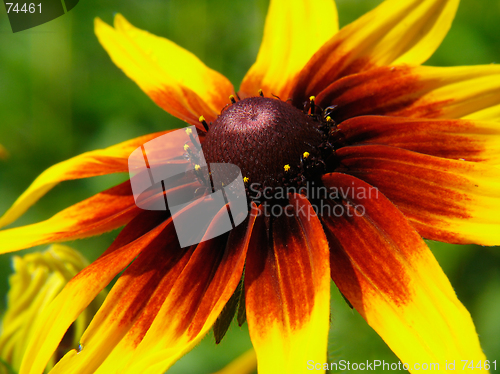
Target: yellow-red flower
{"x": 352, "y": 110}
{"x": 37, "y": 279}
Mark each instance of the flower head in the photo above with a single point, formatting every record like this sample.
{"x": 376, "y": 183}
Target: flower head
{"x": 37, "y": 280}
{"x": 350, "y": 151}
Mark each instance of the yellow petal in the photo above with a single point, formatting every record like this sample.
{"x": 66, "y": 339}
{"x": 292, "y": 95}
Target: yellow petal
{"x": 453, "y": 92}
{"x": 174, "y": 78}
{"x": 491, "y": 113}
{"x": 294, "y": 31}
{"x": 416, "y": 91}
{"x": 465, "y": 91}
{"x": 101, "y": 213}
{"x": 396, "y": 32}
{"x": 113, "y": 159}
{"x": 287, "y": 290}
{"x": 390, "y": 276}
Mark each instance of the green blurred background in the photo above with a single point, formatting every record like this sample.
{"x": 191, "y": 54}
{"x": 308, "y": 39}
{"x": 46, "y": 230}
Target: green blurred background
{"x": 60, "y": 95}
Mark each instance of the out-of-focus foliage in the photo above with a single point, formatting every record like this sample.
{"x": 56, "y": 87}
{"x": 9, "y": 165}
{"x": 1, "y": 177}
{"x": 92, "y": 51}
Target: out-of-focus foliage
{"x": 60, "y": 95}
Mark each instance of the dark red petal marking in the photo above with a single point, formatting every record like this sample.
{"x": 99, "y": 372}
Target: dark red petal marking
{"x": 134, "y": 291}
{"x": 317, "y": 74}
{"x": 380, "y": 91}
{"x": 139, "y": 293}
{"x": 211, "y": 272}
{"x": 391, "y": 33}
{"x": 100, "y": 213}
{"x": 228, "y": 273}
{"x": 116, "y": 258}
{"x": 106, "y": 211}
{"x": 428, "y": 190}
{"x": 453, "y": 139}
{"x": 189, "y": 281}
{"x": 412, "y": 91}
{"x": 280, "y": 282}
{"x": 369, "y": 251}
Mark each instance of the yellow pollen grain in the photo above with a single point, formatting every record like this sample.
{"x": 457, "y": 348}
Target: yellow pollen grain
{"x": 189, "y": 131}
{"x": 201, "y": 119}
{"x": 197, "y": 167}
{"x": 186, "y": 147}
{"x": 305, "y": 154}
{"x": 312, "y": 98}
{"x": 286, "y": 167}
{"x": 329, "y": 119}
{"x": 246, "y": 179}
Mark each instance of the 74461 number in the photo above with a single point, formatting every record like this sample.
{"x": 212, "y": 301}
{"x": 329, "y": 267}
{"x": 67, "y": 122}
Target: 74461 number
{"x": 25, "y": 7}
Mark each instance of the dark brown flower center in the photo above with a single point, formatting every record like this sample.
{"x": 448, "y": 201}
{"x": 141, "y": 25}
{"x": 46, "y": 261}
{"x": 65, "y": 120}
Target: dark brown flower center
{"x": 272, "y": 142}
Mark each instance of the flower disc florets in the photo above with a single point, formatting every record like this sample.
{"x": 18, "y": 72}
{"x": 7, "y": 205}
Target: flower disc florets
{"x": 274, "y": 144}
